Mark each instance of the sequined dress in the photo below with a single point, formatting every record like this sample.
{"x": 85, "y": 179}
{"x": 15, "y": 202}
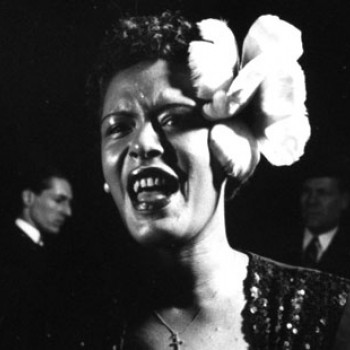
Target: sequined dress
{"x": 292, "y": 308}
{"x": 288, "y": 308}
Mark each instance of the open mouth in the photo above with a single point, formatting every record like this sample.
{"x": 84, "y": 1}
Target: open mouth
{"x": 151, "y": 188}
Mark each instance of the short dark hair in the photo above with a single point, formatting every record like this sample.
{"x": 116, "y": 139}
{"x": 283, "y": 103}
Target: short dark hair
{"x": 328, "y": 165}
{"x": 142, "y": 38}
{"x": 40, "y": 178}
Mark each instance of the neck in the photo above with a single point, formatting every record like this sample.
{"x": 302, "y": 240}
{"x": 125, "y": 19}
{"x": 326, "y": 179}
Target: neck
{"x": 205, "y": 268}
{"x": 25, "y": 216}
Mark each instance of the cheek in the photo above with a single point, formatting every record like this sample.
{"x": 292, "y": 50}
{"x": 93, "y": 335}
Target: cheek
{"x": 110, "y": 156}
{"x": 43, "y": 212}
{"x": 195, "y": 159}
{"x": 112, "y": 166}
{"x": 51, "y": 208}
{"x": 334, "y": 207}
{"x": 192, "y": 147}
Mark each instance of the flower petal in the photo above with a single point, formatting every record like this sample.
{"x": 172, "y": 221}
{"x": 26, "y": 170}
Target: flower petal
{"x": 232, "y": 143}
{"x": 269, "y": 34}
{"x": 283, "y": 93}
{"x": 214, "y": 60}
{"x": 285, "y": 140}
{"x": 241, "y": 90}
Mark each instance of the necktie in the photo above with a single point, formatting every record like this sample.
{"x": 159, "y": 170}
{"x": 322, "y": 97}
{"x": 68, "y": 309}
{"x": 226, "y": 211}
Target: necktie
{"x": 311, "y": 252}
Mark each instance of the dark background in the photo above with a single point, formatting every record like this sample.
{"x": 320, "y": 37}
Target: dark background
{"x": 46, "y": 52}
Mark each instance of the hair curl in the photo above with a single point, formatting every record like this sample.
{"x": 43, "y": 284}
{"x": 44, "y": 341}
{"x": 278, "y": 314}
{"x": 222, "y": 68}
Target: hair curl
{"x": 143, "y": 38}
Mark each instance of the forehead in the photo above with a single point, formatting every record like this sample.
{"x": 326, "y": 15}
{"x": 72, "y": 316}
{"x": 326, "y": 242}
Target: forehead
{"x": 149, "y": 84}
{"x": 323, "y": 182}
{"x": 60, "y": 186}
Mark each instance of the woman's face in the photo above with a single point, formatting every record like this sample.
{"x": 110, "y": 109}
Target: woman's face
{"x": 155, "y": 154}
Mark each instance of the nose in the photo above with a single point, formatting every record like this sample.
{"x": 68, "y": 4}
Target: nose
{"x": 146, "y": 143}
{"x": 67, "y": 210}
{"x": 311, "y": 198}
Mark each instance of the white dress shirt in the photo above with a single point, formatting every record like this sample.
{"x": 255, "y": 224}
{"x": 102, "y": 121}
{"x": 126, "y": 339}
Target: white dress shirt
{"x": 325, "y": 240}
{"x": 32, "y": 232}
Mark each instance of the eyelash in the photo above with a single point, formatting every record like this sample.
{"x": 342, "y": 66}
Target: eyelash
{"x": 119, "y": 129}
{"x": 176, "y": 119}
{"x": 170, "y": 119}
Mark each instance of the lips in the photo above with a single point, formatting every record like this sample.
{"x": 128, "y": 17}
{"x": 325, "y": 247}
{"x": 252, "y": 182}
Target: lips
{"x": 150, "y": 188}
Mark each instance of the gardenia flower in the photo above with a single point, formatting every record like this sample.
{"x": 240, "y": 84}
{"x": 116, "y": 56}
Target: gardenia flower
{"x": 269, "y": 77}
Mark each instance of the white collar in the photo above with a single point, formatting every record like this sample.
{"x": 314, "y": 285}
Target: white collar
{"x": 325, "y": 238}
{"x": 32, "y": 232}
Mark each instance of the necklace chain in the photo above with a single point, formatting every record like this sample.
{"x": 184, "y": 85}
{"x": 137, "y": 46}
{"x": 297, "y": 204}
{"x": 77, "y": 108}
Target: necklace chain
{"x": 176, "y": 342}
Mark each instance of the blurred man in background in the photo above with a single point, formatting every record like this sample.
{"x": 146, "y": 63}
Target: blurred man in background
{"x": 323, "y": 240}
{"x": 45, "y": 206}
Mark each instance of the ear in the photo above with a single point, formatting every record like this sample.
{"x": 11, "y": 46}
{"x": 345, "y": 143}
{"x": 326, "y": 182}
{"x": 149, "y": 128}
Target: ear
{"x": 27, "y": 198}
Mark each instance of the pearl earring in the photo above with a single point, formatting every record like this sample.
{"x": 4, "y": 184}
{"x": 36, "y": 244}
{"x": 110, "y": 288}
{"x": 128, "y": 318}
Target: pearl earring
{"x": 106, "y": 187}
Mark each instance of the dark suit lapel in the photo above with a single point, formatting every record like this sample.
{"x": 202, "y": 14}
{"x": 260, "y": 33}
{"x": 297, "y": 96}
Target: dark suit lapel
{"x": 336, "y": 258}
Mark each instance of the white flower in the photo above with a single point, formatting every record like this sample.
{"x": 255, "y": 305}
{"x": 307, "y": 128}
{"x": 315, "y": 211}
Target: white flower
{"x": 270, "y": 78}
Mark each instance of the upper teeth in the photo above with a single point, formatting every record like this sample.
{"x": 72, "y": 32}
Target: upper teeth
{"x": 147, "y": 182}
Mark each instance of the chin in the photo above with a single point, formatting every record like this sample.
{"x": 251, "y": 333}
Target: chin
{"x": 53, "y": 231}
{"x": 157, "y": 234}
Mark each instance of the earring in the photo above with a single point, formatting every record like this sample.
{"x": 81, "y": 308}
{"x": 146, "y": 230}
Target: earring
{"x": 106, "y": 187}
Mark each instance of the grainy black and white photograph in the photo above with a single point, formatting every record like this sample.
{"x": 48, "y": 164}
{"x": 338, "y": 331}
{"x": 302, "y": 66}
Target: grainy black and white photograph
{"x": 175, "y": 175}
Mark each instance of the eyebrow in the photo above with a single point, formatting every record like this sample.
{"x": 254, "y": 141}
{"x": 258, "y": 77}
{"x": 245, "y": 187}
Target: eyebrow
{"x": 112, "y": 114}
{"x": 168, "y": 106}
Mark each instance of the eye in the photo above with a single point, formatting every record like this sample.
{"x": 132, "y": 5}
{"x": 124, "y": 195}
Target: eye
{"x": 119, "y": 129}
{"x": 171, "y": 120}
{"x": 177, "y": 118}
{"x": 60, "y": 199}
{"x": 117, "y": 126}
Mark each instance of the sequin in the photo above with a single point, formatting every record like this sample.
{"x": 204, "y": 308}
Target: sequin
{"x": 263, "y": 302}
{"x": 253, "y": 309}
{"x": 286, "y": 344}
{"x": 296, "y": 318}
{"x": 254, "y": 292}
{"x": 256, "y": 277}
{"x": 301, "y": 292}
{"x": 342, "y": 299}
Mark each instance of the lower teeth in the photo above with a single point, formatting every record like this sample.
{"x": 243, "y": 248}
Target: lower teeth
{"x": 144, "y": 206}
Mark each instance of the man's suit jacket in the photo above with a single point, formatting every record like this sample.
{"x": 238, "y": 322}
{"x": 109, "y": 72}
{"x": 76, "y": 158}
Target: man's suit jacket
{"x": 22, "y": 291}
{"x": 335, "y": 260}
{"x": 40, "y": 294}
{"x": 19, "y": 251}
